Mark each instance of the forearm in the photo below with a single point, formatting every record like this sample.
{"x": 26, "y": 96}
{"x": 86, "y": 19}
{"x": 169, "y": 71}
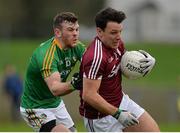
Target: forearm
{"x": 61, "y": 88}
{"x": 124, "y": 117}
{"x": 57, "y": 87}
{"x": 99, "y": 103}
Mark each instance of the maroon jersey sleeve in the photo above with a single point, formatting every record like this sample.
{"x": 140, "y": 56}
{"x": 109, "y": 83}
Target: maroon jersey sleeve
{"x": 93, "y": 63}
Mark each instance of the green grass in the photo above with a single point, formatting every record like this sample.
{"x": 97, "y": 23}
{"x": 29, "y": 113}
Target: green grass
{"x": 165, "y": 73}
{"x": 170, "y": 127}
{"x": 14, "y": 127}
{"x": 17, "y": 53}
{"x": 22, "y": 127}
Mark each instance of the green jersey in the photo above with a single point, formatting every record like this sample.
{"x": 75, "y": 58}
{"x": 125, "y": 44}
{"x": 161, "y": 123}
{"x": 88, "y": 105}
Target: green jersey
{"x": 46, "y": 59}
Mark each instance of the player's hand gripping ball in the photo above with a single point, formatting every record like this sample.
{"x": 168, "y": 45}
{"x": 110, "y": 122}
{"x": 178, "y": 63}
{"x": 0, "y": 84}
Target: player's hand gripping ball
{"x": 136, "y": 64}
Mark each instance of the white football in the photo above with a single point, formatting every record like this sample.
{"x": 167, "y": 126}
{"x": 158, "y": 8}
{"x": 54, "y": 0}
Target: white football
{"x": 131, "y": 66}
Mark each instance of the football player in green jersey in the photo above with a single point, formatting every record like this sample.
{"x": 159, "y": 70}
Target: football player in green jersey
{"x": 50, "y": 64}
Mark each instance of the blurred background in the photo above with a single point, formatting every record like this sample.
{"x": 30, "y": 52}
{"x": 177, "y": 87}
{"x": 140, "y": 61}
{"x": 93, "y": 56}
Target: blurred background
{"x": 152, "y": 25}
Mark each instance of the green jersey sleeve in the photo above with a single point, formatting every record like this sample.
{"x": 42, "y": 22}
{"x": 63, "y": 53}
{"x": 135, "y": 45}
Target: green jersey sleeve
{"x": 46, "y": 60}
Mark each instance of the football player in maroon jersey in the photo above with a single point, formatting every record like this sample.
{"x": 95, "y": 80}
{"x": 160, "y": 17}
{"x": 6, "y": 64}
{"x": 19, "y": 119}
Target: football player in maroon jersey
{"x": 104, "y": 105}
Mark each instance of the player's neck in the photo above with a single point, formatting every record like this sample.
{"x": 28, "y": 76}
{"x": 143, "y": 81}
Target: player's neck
{"x": 60, "y": 43}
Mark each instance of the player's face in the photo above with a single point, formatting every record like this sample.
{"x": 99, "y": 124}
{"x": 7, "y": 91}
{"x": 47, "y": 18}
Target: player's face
{"x": 111, "y": 34}
{"x": 69, "y": 33}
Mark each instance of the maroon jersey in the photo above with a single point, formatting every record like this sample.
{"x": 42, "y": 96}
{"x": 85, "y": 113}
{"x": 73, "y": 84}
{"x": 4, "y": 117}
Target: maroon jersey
{"x": 103, "y": 63}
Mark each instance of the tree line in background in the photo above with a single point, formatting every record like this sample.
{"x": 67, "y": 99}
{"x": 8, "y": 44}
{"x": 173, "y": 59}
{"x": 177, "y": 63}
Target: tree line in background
{"x": 33, "y": 18}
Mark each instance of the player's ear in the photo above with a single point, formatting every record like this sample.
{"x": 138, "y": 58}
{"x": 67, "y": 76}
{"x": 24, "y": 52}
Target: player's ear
{"x": 99, "y": 31}
{"x": 57, "y": 32}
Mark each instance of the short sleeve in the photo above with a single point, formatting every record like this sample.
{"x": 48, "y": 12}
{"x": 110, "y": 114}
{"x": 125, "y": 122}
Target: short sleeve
{"x": 47, "y": 71}
{"x": 93, "y": 67}
{"x": 47, "y": 62}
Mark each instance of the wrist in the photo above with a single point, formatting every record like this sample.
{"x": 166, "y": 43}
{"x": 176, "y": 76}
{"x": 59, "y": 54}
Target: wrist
{"x": 117, "y": 113}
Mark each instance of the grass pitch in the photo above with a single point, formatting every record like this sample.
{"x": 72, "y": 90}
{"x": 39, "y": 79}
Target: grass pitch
{"x": 22, "y": 127}
{"x": 166, "y": 73}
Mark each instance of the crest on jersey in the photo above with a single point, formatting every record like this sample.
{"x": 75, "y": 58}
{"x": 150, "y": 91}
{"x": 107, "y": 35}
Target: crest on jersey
{"x": 110, "y": 59}
{"x": 74, "y": 58}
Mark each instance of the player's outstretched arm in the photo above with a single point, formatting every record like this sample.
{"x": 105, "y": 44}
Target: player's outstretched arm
{"x": 57, "y": 87}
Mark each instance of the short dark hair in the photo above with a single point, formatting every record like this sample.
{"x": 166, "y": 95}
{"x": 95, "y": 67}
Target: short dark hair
{"x": 64, "y": 16}
{"x": 108, "y": 14}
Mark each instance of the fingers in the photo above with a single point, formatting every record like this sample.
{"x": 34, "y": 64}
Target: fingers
{"x": 144, "y": 53}
{"x": 76, "y": 81}
{"x": 134, "y": 119}
{"x": 127, "y": 119}
{"x": 130, "y": 121}
{"x": 147, "y": 62}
